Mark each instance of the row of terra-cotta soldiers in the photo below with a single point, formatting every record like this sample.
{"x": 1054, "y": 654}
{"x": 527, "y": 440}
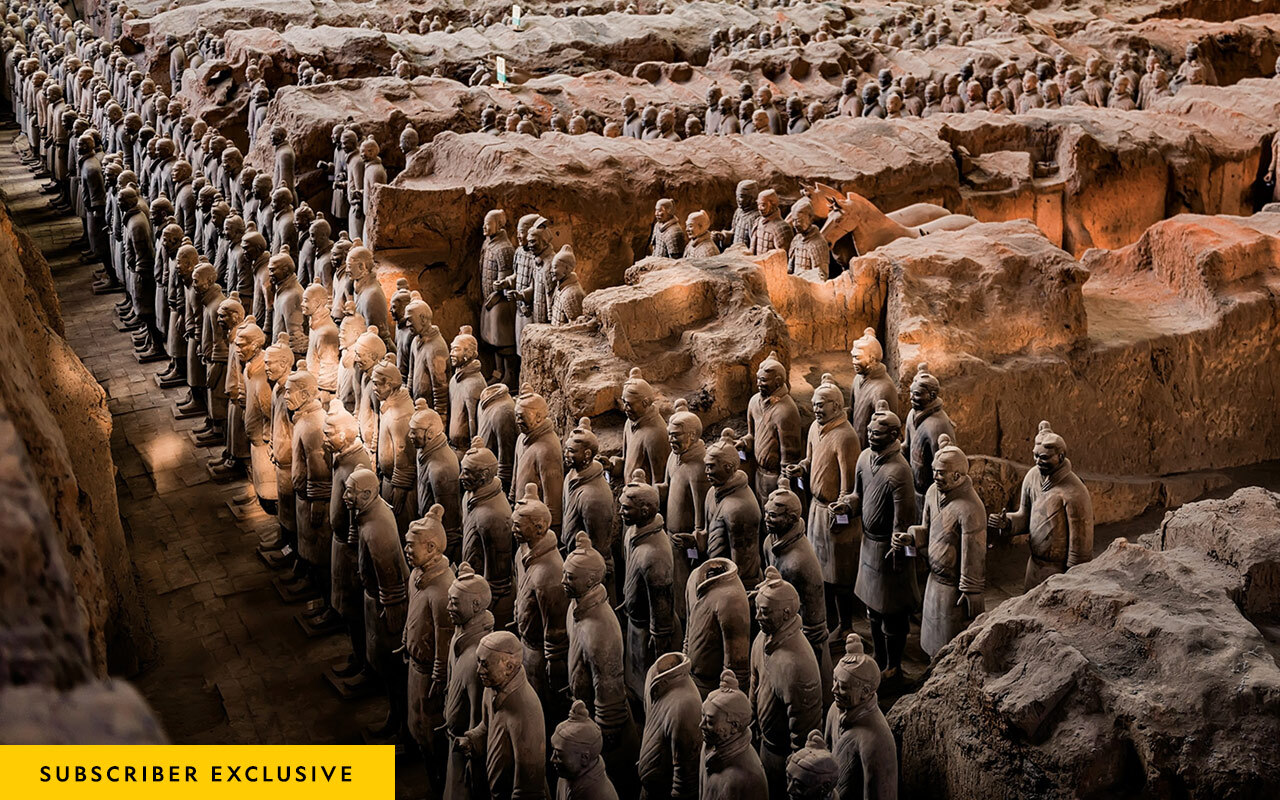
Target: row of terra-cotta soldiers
{"x": 346, "y": 487}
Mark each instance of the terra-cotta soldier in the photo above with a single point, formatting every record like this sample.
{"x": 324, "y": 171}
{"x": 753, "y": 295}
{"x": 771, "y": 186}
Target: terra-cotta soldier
{"x": 856, "y": 730}
{"x": 575, "y": 754}
{"x": 541, "y": 604}
{"x": 312, "y": 481}
{"x": 346, "y": 594}
{"x": 644, "y": 434}
{"x": 428, "y": 629}
{"x": 812, "y": 772}
{"x": 884, "y": 495}
{"x": 465, "y": 388}
{"x": 668, "y": 238}
{"x": 648, "y": 591}
{"x": 788, "y": 550}
{"x": 786, "y": 692}
{"x": 497, "y": 315}
{"x": 1054, "y": 508}
{"x": 685, "y": 491}
{"x": 774, "y": 435}
{"x": 595, "y": 654}
{"x": 827, "y": 473}
{"x": 718, "y": 630}
{"x": 926, "y": 423}
{"x": 732, "y": 512}
{"x": 487, "y": 543}
{"x": 438, "y": 471}
{"x": 384, "y": 573}
{"x": 397, "y": 466}
{"x": 670, "y": 749}
{"x": 953, "y": 536}
{"x": 871, "y": 384}
{"x": 428, "y": 359}
{"x": 468, "y": 606}
{"x": 496, "y": 414}
{"x": 511, "y": 734}
{"x": 539, "y": 458}
{"x": 731, "y": 767}
{"x": 588, "y": 500}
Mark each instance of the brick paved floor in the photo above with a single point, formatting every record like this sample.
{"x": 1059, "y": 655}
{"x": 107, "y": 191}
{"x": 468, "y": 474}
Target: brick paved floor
{"x": 233, "y": 667}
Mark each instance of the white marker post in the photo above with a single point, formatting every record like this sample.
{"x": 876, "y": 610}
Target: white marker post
{"x": 516, "y": 20}
{"x": 502, "y": 71}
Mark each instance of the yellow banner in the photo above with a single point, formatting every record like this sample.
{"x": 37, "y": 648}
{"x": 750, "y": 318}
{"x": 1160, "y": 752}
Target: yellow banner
{"x": 197, "y": 772}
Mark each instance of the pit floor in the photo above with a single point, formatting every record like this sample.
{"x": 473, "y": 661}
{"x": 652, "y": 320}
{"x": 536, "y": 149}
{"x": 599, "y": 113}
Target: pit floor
{"x": 232, "y": 666}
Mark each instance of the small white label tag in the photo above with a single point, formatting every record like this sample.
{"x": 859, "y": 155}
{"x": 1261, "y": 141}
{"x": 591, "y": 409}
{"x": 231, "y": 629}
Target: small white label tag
{"x": 742, "y": 455}
{"x": 842, "y": 519}
{"x": 286, "y": 550}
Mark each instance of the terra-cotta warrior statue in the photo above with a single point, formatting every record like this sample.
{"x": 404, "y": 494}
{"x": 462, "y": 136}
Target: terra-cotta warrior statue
{"x": 884, "y": 494}
{"x": 487, "y": 543}
{"x": 827, "y": 473}
{"x": 539, "y": 458}
{"x": 926, "y": 424}
{"x": 384, "y": 573}
{"x": 438, "y": 470}
{"x": 511, "y": 733}
{"x": 732, "y": 513}
{"x": 856, "y": 730}
{"x": 541, "y": 604}
{"x": 1054, "y": 508}
{"x": 588, "y": 500}
{"x": 468, "y": 607}
{"x": 786, "y": 692}
{"x": 812, "y": 772}
{"x": 787, "y": 549}
{"x": 774, "y": 437}
{"x": 428, "y": 629}
{"x": 595, "y": 655}
{"x": 718, "y": 630}
{"x": 953, "y": 536}
{"x": 731, "y": 768}
{"x": 575, "y": 754}
{"x": 670, "y": 750}
{"x": 648, "y": 591}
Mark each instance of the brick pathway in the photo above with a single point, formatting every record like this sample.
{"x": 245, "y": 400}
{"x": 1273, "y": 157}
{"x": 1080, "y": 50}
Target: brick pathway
{"x": 233, "y": 666}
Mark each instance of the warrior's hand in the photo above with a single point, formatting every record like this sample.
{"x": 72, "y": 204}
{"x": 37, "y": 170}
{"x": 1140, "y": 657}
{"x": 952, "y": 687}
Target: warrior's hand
{"x": 998, "y": 523}
{"x": 902, "y": 539}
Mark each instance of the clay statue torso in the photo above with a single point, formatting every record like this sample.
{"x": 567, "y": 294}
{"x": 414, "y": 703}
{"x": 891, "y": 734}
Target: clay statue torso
{"x": 429, "y": 371}
{"x": 718, "y": 629}
{"x": 540, "y": 611}
{"x": 463, "y": 704}
{"x": 832, "y": 453}
{"x": 883, "y": 482}
{"x": 595, "y": 661}
{"x": 645, "y": 446}
{"x": 733, "y": 526}
{"x": 437, "y": 476}
{"x": 464, "y": 398}
{"x": 863, "y": 746}
{"x": 487, "y": 544}
{"x": 538, "y": 460}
